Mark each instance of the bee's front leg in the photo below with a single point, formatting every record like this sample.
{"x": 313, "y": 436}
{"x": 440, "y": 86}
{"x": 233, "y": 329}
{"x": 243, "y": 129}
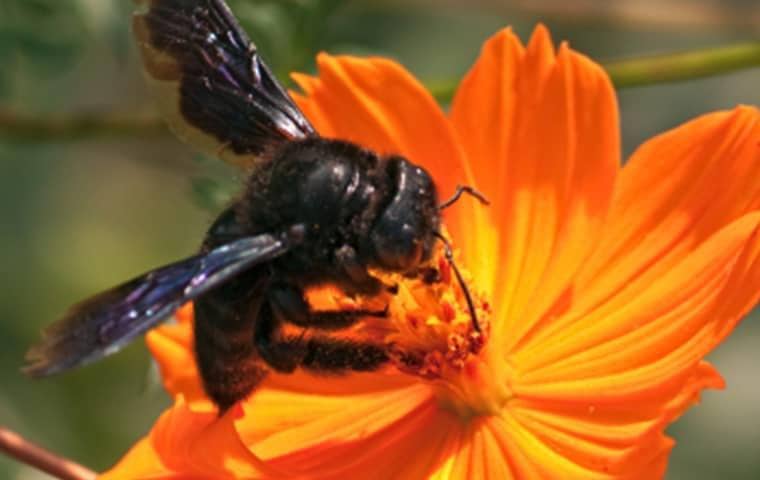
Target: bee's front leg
{"x": 284, "y": 353}
{"x": 358, "y": 280}
{"x": 289, "y": 305}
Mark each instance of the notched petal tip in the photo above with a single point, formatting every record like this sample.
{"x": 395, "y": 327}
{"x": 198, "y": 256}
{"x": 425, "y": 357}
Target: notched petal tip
{"x": 541, "y": 37}
{"x": 541, "y": 133}
{"x": 541, "y": 45}
{"x": 504, "y": 36}
{"x": 747, "y": 109}
{"x": 305, "y": 82}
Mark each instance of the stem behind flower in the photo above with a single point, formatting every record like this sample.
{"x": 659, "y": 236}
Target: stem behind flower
{"x": 28, "y": 453}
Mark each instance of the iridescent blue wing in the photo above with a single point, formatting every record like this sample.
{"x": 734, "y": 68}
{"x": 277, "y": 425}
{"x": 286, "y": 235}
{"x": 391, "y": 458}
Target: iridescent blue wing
{"x": 110, "y": 320}
{"x": 214, "y": 89}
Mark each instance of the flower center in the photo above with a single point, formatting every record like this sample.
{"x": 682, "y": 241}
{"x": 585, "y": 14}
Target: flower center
{"x": 432, "y": 335}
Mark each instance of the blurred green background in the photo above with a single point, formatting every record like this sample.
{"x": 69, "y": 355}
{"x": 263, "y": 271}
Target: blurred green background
{"x": 82, "y": 214}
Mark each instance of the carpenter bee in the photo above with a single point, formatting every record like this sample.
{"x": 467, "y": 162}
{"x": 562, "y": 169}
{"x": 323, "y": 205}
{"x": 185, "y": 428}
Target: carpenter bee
{"x": 313, "y": 211}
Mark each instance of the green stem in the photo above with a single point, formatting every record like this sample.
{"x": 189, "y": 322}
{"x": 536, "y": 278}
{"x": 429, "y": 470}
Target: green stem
{"x": 644, "y": 71}
{"x": 677, "y": 67}
{"x": 636, "y": 72}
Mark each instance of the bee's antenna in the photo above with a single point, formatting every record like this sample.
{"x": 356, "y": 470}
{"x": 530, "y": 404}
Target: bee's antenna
{"x": 458, "y": 193}
{"x": 450, "y": 255}
{"x": 450, "y": 258}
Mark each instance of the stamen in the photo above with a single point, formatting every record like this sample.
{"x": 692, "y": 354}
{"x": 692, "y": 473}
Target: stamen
{"x": 437, "y": 324}
{"x": 450, "y": 258}
{"x": 437, "y": 329}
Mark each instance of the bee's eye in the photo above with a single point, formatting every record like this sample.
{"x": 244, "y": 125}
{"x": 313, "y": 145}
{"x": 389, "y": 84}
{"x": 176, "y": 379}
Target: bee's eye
{"x": 398, "y": 246}
{"x": 402, "y": 237}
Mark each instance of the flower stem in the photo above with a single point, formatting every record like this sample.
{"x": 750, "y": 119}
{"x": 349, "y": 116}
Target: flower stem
{"x": 643, "y": 71}
{"x": 75, "y": 126}
{"x": 636, "y": 72}
{"x": 25, "y": 452}
{"x": 683, "y": 66}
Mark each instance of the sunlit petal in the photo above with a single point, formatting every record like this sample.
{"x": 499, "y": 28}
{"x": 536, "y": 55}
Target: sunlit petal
{"x": 541, "y": 131}
{"x": 172, "y": 348}
{"x": 400, "y": 434}
{"x": 190, "y": 444}
{"x": 676, "y": 191}
{"x": 660, "y": 334}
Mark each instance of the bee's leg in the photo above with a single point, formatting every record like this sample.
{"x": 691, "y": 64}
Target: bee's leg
{"x": 358, "y": 279}
{"x": 268, "y": 343}
{"x": 289, "y": 304}
{"x": 227, "y": 361}
{"x": 333, "y": 355}
{"x": 320, "y": 354}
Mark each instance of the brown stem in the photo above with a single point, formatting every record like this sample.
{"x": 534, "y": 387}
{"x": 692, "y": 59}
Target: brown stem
{"x": 629, "y": 73}
{"x": 693, "y": 15}
{"x": 28, "y": 453}
{"x": 29, "y": 127}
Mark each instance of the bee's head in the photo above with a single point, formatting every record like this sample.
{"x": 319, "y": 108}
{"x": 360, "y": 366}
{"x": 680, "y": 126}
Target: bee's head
{"x": 404, "y": 233}
{"x": 407, "y": 227}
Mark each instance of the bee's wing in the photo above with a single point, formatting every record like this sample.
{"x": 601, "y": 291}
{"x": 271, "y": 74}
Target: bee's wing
{"x": 107, "y": 322}
{"x": 214, "y": 89}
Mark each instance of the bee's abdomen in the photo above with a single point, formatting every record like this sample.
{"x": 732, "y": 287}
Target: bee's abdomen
{"x": 224, "y": 320}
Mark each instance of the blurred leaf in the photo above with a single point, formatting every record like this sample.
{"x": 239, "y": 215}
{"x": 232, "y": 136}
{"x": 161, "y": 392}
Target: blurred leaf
{"x": 312, "y": 24}
{"x": 215, "y": 187}
{"x": 270, "y": 27}
{"x": 118, "y": 30}
{"x": 289, "y": 32}
{"x": 211, "y": 194}
{"x": 44, "y": 36}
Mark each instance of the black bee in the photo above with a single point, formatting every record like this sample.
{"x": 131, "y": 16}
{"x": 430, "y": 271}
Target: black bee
{"x": 313, "y": 211}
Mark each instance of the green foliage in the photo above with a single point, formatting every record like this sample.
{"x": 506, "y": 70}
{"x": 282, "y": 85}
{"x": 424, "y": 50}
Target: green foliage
{"x": 43, "y": 36}
{"x": 289, "y": 32}
{"x": 214, "y": 187}
{"x": 39, "y": 38}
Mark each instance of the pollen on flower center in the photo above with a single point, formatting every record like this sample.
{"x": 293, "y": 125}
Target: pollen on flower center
{"x": 432, "y": 335}
{"x": 435, "y": 335}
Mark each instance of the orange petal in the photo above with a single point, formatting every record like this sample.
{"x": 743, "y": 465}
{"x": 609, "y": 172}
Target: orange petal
{"x": 544, "y": 453}
{"x": 190, "y": 444}
{"x": 377, "y": 104}
{"x": 140, "y": 462}
{"x": 352, "y": 383}
{"x": 532, "y": 457}
{"x": 477, "y": 453}
{"x": 622, "y": 440}
{"x": 172, "y": 348}
{"x": 676, "y": 191}
{"x": 541, "y": 133}
{"x": 653, "y": 339}
{"x": 401, "y": 434}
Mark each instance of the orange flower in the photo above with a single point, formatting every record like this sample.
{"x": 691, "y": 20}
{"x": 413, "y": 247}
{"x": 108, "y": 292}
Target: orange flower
{"x": 603, "y": 288}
